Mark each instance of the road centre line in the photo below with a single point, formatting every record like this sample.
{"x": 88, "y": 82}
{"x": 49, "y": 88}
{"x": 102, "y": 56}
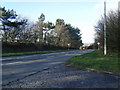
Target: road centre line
{"x": 21, "y": 57}
{"x": 23, "y": 62}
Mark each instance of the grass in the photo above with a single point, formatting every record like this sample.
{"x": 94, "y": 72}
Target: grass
{"x": 97, "y": 61}
{"x": 30, "y": 52}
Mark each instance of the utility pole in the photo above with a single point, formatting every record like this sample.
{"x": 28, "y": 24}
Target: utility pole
{"x": 118, "y": 25}
{"x": 119, "y": 6}
{"x": 105, "y": 48}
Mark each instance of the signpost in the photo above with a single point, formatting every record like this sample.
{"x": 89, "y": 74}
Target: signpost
{"x": 69, "y": 45}
{"x": 98, "y": 45}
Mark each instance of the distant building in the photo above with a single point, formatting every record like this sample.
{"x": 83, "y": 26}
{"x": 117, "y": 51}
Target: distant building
{"x": 85, "y": 45}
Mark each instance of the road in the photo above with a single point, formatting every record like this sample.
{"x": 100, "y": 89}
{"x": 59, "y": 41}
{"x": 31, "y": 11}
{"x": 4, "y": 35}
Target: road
{"x": 49, "y": 71}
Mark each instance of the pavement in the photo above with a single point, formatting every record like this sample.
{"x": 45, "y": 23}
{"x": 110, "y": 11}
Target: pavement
{"x": 49, "y": 71}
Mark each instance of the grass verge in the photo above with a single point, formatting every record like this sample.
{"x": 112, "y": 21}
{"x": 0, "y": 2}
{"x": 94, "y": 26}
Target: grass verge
{"x": 96, "y": 61}
{"x": 31, "y": 52}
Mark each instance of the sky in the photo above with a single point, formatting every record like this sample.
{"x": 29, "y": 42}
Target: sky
{"x": 83, "y": 14}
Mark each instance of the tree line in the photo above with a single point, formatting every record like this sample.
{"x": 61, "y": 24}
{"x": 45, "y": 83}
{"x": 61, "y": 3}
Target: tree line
{"x": 15, "y": 29}
{"x": 112, "y": 31}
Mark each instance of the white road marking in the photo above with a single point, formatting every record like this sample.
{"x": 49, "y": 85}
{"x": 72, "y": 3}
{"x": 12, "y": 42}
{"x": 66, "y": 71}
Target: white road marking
{"x": 21, "y": 57}
{"x": 23, "y": 62}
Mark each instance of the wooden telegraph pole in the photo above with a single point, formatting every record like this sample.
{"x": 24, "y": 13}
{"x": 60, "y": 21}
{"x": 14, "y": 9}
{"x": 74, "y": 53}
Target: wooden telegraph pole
{"x": 105, "y": 48}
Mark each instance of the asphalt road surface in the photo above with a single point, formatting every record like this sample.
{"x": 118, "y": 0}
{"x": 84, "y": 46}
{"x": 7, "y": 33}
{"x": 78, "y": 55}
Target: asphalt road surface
{"x": 49, "y": 71}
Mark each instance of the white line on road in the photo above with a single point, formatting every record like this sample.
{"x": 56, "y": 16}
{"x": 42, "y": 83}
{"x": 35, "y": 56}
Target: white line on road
{"x": 20, "y": 62}
{"x": 21, "y": 57}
